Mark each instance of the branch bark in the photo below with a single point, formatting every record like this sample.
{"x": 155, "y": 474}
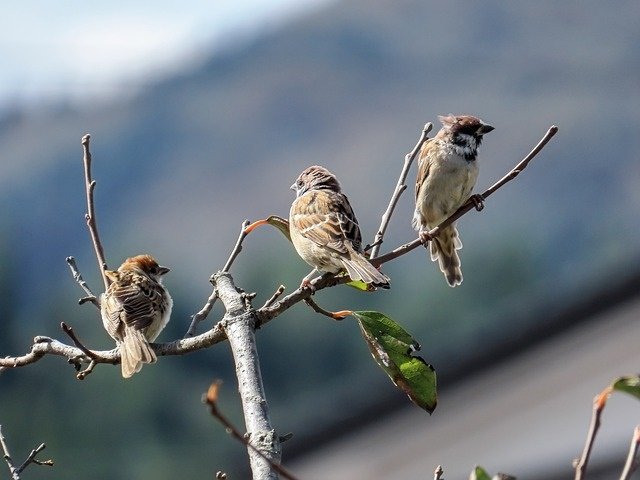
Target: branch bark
{"x": 630, "y": 464}
{"x": 31, "y": 458}
{"x": 211, "y": 399}
{"x": 204, "y": 312}
{"x": 240, "y": 324}
{"x": 400, "y": 187}
{"x": 90, "y": 216}
{"x": 599, "y": 403}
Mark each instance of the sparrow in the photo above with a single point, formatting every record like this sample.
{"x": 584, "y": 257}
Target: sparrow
{"x": 447, "y": 173}
{"x": 134, "y": 309}
{"x": 324, "y": 230}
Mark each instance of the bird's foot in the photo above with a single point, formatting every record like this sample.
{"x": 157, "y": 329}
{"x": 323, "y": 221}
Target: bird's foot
{"x": 306, "y": 283}
{"x": 478, "y": 201}
{"x": 425, "y": 237}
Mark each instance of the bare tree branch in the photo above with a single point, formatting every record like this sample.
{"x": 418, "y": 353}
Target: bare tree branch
{"x": 513, "y": 173}
{"x": 267, "y": 314}
{"x": 438, "y": 472}
{"x": 90, "y": 216}
{"x": 341, "y": 315}
{"x": 240, "y": 323}
{"x": 211, "y": 399}
{"x": 43, "y": 346}
{"x": 69, "y": 331}
{"x": 274, "y": 297}
{"x": 237, "y": 247}
{"x": 599, "y": 403}
{"x": 631, "y": 464}
{"x": 31, "y": 458}
{"x": 204, "y": 312}
{"x": 400, "y": 187}
{"x": 91, "y": 297}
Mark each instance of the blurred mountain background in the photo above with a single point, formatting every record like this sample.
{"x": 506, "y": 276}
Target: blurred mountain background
{"x": 184, "y": 155}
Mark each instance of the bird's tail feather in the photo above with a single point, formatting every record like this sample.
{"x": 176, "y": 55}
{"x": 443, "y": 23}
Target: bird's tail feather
{"x": 359, "y": 268}
{"x": 134, "y": 352}
{"x": 443, "y": 249}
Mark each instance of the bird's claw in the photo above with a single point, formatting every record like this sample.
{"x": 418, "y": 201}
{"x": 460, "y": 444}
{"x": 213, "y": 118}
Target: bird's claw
{"x": 425, "y": 237}
{"x": 306, "y": 283}
{"x": 478, "y": 201}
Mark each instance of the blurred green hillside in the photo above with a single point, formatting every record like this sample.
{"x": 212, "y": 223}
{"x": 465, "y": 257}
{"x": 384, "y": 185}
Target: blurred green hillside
{"x": 180, "y": 166}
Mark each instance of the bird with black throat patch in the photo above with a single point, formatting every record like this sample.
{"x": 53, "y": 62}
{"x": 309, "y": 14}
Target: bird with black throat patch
{"x": 447, "y": 174}
{"x": 135, "y": 309}
{"x": 324, "y": 230}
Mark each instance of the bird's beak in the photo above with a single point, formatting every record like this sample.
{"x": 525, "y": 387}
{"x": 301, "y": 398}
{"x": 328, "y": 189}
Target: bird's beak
{"x": 293, "y": 187}
{"x": 163, "y": 270}
{"x": 485, "y": 128}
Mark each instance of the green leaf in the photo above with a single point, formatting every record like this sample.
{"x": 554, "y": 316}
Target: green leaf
{"x": 629, "y": 384}
{"x": 393, "y": 349}
{"x": 360, "y": 285}
{"x": 479, "y": 473}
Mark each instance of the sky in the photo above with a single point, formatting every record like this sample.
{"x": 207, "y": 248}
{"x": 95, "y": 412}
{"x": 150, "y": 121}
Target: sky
{"x": 55, "y": 50}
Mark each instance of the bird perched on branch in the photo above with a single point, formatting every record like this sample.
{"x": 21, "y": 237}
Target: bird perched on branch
{"x": 324, "y": 230}
{"x": 447, "y": 173}
{"x": 134, "y": 309}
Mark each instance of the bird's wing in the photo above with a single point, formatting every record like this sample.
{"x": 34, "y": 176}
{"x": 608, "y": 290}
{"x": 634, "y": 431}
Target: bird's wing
{"x": 138, "y": 302}
{"x": 327, "y": 219}
{"x": 423, "y": 164}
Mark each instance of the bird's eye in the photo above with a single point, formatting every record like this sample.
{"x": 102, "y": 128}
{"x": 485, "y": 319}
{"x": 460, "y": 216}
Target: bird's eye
{"x": 299, "y": 183}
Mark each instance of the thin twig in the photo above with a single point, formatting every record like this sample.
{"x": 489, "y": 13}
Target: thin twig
{"x": 31, "y": 458}
{"x": 266, "y": 314}
{"x": 43, "y": 346}
{"x": 237, "y": 248}
{"x": 599, "y": 403}
{"x": 211, "y": 399}
{"x": 90, "y": 216}
{"x": 7, "y": 455}
{"x": 72, "y": 335}
{"x": 202, "y": 314}
{"x": 204, "y": 311}
{"x": 469, "y": 205}
{"x": 82, "y": 374}
{"x": 77, "y": 276}
{"x": 630, "y": 465}
{"x": 274, "y": 297}
{"x": 341, "y": 315}
{"x": 438, "y": 472}
{"x": 400, "y": 187}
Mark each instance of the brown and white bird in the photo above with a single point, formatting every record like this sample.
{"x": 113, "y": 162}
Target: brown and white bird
{"x": 324, "y": 230}
{"x": 135, "y": 308}
{"x": 447, "y": 173}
